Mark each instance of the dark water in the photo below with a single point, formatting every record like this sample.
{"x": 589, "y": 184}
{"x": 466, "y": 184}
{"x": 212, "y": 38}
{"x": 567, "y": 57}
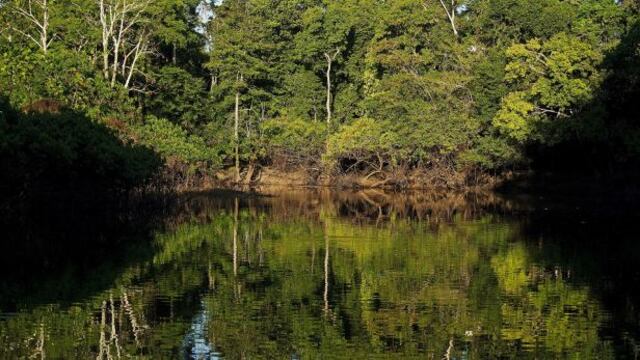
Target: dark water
{"x": 323, "y": 276}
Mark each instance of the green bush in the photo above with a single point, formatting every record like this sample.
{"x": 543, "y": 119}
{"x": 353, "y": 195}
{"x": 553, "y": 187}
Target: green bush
{"x": 491, "y": 152}
{"x": 27, "y": 76}
{"x": 175, "y": 143}
{"x": 364, "y": 141}
{"x": 294, "y": 140}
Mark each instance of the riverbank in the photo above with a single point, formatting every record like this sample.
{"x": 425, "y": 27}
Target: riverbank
{"x": 616, "y": 187}
{"x": 405, "y": 180}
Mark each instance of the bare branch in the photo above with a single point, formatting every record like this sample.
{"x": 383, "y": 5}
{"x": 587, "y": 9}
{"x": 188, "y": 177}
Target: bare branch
{"x": 40, "y": 22}
{"x": 451, "y": 13}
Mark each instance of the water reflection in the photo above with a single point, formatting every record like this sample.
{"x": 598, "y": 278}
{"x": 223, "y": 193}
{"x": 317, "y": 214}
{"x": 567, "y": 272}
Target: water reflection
{"x": 342, "y": 275}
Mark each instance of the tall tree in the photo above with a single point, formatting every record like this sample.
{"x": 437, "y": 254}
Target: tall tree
{"x": 238, "y": 48}
{"x": 125, "y": 37}
{"x": 36, "y": 14}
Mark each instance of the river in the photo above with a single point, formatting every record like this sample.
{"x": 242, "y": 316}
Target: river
{"x": 325, "y": 275}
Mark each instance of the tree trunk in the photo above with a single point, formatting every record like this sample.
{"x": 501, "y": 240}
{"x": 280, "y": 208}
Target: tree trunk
{"x": 235, "y": 237}
{"x": 214, "y": 82}
{"x": 330, "y": 58}
{"x": 174, "y": 57}
{"x": 328, "y": 91}
{"x": 45, "y": 26}
{"x": 249, "y": 175}
{"x": 451, "y": 14}
{"x": 236, "y": 136}
{"x": 139, "y": 49}
{"x": 105, "y": 39}
{"x": 116, "y": 50}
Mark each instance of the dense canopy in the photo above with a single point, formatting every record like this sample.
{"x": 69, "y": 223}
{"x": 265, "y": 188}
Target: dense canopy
{"x": 371, "y": 87}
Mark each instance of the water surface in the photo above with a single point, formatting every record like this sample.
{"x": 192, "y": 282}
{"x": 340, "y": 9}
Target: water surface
{"x": 319, "y": 275}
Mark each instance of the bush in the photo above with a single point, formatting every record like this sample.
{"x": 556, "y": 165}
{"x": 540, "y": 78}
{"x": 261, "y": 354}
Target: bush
{"x": 490, "y": 153}
{"x": 175, "y": 144}
{"x": 27, "y": 76}
{"x": 293, "y": 142}
{"x": 67, "y": 152}
{"x": 365, "y": 141}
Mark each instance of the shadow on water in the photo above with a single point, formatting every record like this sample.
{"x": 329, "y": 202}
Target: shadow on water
{"x": 598, "y": 250}
{"x": 64, "y": 183}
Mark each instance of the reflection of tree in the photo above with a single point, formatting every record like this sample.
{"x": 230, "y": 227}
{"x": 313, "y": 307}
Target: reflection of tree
{"x": 326, "y": 271}
{"x": 395, "y": 289}
{"x": 235, "y": 237}
{"x": 398, "y": 288}
{"x": 545, "y": 312}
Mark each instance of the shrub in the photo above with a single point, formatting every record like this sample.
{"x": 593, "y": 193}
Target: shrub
{"x": 294, "y": 141}
{"x": 365, "y": 141}
{"x": 175, "y": 144}
{"x": 67, "y": 152}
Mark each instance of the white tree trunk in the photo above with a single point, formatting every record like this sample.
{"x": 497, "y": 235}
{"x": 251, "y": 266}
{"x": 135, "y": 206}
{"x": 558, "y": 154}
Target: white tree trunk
{"x": 451, "y": 14}
{"x": 330, "y": 58}
{"x": 118, "y": 20}
{"x": 117, "y": 41}
{"x": 137, "y": 51}
{"x": 236, "y": 133}
{"x": 107, "y": 30}
{"x": 44, "y": 34}
{"x": 39, "y": 21}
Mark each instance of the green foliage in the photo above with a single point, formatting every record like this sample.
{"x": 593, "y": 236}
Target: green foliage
{"x": 492, "y": 152}
{"x": 306, "y": 96}
{"x": 365, "y": 140}
{"x": 502, "y": 22}
{"x": 175, "y": 143}
{"x": 298, "y": 141}
{"x": 180, "y": 97}
{"x": 551, "y": 80}
{"x": 515, "y": 75}
{"x": 61, "y": 75}
{"x": 514, "y": 117}
{"x": 488, "y": 86}
{"x": 427, "y": 128}
{"x": 177, "y": 20}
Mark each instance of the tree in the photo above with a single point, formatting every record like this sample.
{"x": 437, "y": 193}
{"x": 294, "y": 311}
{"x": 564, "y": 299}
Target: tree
{"x": 36, "y": 14}
{"x": 174, "y": 26}
{"x": 331, "y": 57}
{"x": 551, "y": 81}
{"x": 239, "y": 44}
{"x": 451, "y": 10}
{"x": 303, "y": 95}
{"x": 324, "y": 34}
{"x": 179, "y": 96}
{"x": 125, "y": 37}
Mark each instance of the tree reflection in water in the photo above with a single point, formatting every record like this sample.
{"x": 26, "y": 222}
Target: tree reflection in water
{"x": 341, "y": 275}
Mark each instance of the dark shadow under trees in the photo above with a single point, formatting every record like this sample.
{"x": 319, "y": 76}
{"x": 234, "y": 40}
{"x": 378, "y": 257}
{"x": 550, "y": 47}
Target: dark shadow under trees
{"x": 51, "y": 155}
{"x": 601, "y": 142}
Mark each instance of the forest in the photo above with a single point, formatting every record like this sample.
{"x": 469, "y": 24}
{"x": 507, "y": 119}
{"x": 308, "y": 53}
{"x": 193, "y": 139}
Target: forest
{"x": 136, "y": 137}
{"x": 127, "y": 94}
